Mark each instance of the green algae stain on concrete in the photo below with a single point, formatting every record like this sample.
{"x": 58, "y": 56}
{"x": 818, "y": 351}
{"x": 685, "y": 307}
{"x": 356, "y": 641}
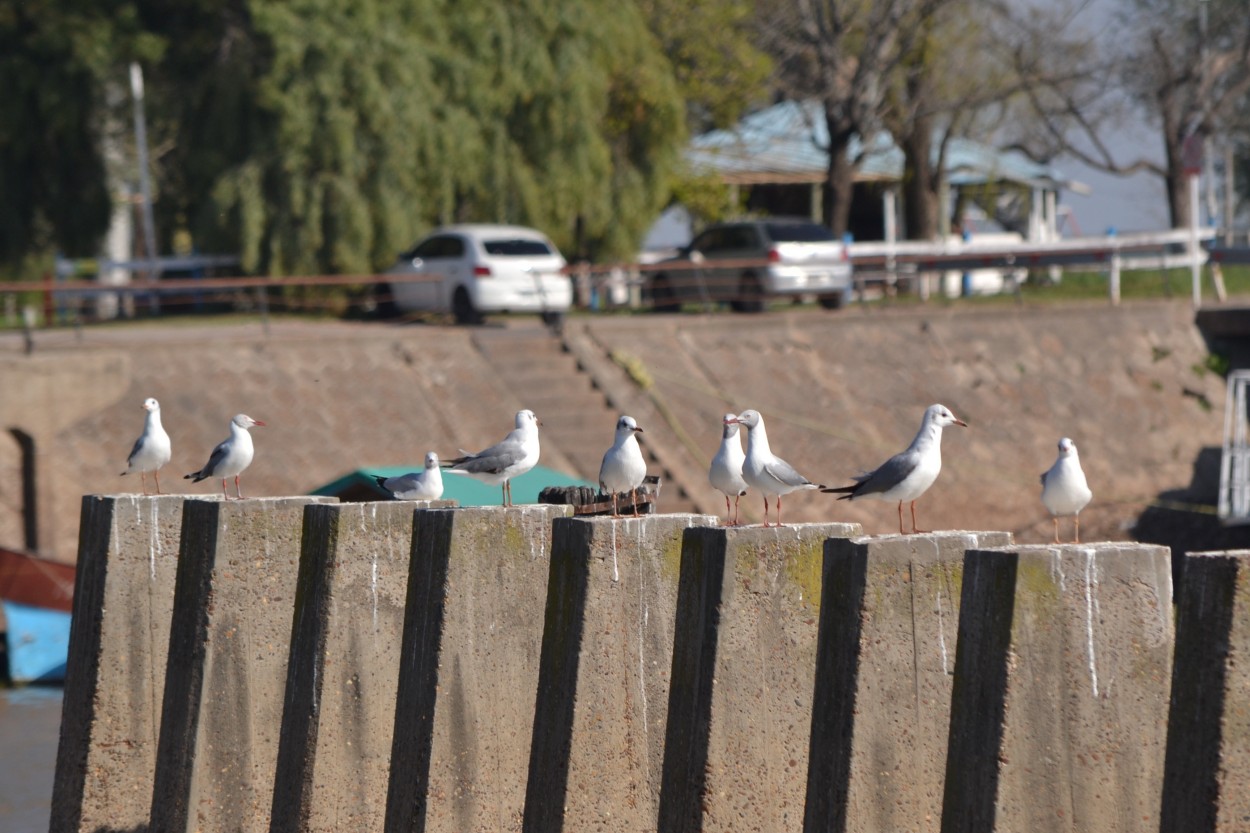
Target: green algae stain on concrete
{"x": 1036, "y": 579}
{"x": 670, "y": 558}
{"x": 804, "y": 564}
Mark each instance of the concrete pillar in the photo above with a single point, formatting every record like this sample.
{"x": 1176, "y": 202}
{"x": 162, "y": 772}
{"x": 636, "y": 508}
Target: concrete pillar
{"x": 1059, "y": 709}
{"x": 123, "y": 595}
{"x": 744, "y": 660}
{"x": 468, "y": 667}
{"x": 889, "y": 617}
{"x": 1206, "y": 780}
{"x": 335, "y": 746}
{"x": 598, "y": 745}
{"x": 228, "y": 647}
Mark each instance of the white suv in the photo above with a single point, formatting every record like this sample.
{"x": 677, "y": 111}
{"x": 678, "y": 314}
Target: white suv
{"x": 472, "y": 269}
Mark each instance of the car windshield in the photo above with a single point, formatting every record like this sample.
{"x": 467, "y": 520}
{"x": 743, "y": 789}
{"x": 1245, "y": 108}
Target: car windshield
{"x": 798, "y": 233}
{"x": 516, "y": 247}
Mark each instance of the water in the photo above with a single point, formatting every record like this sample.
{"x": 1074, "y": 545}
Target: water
{"x": 30, "y": 721}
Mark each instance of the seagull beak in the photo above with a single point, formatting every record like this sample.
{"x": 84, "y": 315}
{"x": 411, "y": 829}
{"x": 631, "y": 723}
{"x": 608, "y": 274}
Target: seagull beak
{"x": 638, "y": 430}
{"x": 733, "y": 421}
{"x": 258, "y": 422}
{"x": 961, "y": 422}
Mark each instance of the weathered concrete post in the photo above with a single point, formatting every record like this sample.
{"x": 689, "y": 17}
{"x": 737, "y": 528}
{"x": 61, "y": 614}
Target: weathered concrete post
{"x": 468, "y": 667}
{"x": 1206, "y": 779}
{"x": 334, "y": 751}
{"x": 598, "y": 741}
{"x": 744, "y": 661}
{"x": 123, "y": 594}
{"x": 1059, "y": 708}
{"x": 889, "y": 616}
{"x": 228, "y": 647}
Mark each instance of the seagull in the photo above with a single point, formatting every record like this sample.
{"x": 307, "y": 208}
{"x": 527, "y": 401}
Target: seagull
{"x": 623, "y": 468}
{"x": 907, "y": 475}
{"x": 725, "y": 474}
{"x": 231, "y": 456}
{"x": 513, "y": 456}
{"x": 764, "y": 471}
{"x": 424, "y": 485}
{"x": 152, "y": 450}
{"x": 1064, "y": 490}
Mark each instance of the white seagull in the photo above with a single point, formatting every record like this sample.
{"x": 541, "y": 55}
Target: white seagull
{"x": 623, "y": 467}
{"x": 764, "y": 471}
{"x": 725, "y": 473}
{"x": 1064, "y": 490}
{"x": 513, "y": 456}
{"x": 909, "y": 474}
{"x": 231, "y": 456}
{"x": 152, "y": 450}
{"x": 423, "y": 485}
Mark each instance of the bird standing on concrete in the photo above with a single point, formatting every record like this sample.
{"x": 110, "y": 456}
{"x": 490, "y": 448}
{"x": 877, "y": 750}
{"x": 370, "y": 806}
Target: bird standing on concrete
{"x": 909, "y": 474}
{"x": 422, "y": 485}
{"x": 1064, "y": 490}
{"x": 623, "y": 467}
{"x": 725, "y": 473}
{"x": 152, "y": 450}
{"x": 765, "y": 472}
{"x": 231, "y": 456}
{"x": 511, "y": 457}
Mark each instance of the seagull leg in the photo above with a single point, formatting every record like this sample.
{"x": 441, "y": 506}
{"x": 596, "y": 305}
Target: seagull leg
{"x": 225, "y": 494}
{"x": 914, "y": 528}
{"x": 779, "y": 523}
{"x": 736, "y": 499}
{"x": 615, "y": 512}
{"x": 633, "y": 496}
{"x": 728, "y": 514}
{"x": 765, "y": 510}
{"x": 157, "y": 475}
{"x": 238, "y": 492}
{"x": 1056, "y": 520}
{"x": 900, "y": 518}
{"x": 1076, "y": 529}
{"x": 143, "y": 478}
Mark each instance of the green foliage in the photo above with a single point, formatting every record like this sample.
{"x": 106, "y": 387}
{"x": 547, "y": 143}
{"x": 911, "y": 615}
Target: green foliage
{"x": 320, "y": 136}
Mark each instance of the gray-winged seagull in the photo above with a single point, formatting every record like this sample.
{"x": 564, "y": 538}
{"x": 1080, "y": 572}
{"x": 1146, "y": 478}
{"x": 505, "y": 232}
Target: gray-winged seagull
{"x": 422, "y": 485}
{"x": 909, "y": 474}
{"x": 513, "y": 456}
{"x": 764, "y": 471}
{"x": 231, "y": 456}
{"x": 152, "y": 450}
{"x": 1064, "y": 490}
{"x": 725, "y": 473}
{"x": 623, "y": 468}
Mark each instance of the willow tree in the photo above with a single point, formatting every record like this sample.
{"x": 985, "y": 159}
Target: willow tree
{"x": 56, "y": 59}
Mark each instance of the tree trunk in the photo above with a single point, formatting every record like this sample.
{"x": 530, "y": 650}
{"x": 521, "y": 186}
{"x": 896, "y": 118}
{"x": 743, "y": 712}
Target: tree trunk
{"x": 839, "y": 181}
{"x": 920, "y": 198}
{"x": 1177, "y": 184}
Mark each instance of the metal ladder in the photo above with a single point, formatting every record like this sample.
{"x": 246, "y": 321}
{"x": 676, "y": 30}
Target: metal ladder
{"x": 1234, "y": 505}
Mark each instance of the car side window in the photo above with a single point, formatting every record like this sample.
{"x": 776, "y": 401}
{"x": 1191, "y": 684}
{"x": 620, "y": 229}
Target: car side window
{"x": 440, "y": 247}
{"x": 710, "y": 241}
{"x": 740, "y": 237}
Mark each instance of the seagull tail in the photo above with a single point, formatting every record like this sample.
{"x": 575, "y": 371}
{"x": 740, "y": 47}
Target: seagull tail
{"x": 847, "y": 492}
{"x": 195, "y": 476}
{"x": 381, "y": 481}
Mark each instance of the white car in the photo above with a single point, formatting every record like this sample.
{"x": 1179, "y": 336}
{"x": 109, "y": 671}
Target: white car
{"x": 473, "y": 269}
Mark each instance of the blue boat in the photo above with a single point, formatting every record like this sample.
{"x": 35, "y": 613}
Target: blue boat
{"x": 36, "y": 600}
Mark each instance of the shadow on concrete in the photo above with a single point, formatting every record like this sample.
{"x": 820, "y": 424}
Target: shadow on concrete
{"x": 417, "y": 693}
{"x": 142, "y": 828}
{"x": 1185, "y": 519}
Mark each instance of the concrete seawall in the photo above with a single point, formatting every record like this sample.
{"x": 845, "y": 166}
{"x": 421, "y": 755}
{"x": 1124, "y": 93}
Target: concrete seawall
{"x": 409, "y": 667}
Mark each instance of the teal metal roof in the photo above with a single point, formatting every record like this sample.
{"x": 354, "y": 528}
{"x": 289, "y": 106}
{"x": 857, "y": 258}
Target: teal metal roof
{"x": 465, "y": 490}
{"x": 785, "y": 143}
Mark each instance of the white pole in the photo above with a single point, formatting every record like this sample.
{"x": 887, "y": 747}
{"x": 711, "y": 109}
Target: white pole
{"x": 1195, "y": 251}
{"x": 890, "y": 208}
{"x": 145, "y": 181}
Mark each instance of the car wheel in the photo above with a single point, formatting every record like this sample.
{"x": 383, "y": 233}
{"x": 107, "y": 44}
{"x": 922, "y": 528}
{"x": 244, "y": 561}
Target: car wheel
{"x": 462, "y": 308}
{"x": 750, "y": 294}
{"x": 831, "y": 301}
{"x": 663, "y": 299}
